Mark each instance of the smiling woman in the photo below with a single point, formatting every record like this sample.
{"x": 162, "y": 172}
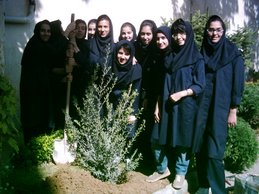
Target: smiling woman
{"x": 35, "y": 90}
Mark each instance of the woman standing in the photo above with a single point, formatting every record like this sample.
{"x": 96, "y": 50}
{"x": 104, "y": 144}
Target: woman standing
{"x": 218, "y": 106}
{"x": 177, "y": 105}
{"x": 126, "y": 74}
{"x": 145, "y": 46}
{"x": 164, "y": 56}
{"x": 35, "y": 90}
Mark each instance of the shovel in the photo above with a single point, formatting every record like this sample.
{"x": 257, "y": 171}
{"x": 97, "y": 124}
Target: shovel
{"x": 62, "y": 153}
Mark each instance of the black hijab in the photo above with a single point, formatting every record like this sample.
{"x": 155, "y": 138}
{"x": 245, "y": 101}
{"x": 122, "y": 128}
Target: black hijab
{"x": 144, "y": 51}
{"x": 102, "y": 47}
{"x": 186, "y": 54}
{"x": 167, "y": 32}
{"x": 132, "y": 28}
{"x": 100, "y": 44}
{"x": 127, "y": 72}
{"x": 37, "y": 28}
{"x": 217, "y": 54}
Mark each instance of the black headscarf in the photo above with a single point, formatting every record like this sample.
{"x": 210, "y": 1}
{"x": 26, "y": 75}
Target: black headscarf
{"x": 186, "y": 54}
{"x": 167, "y": 32}
{"x": 56, "y": 29}
{"x": 94, "y": 21}
{"x": 133, "y": 30}
{"x": 99, "y": 46}
{"x": 127, "y": 72}
{"x": 144, "y": 51}
{"x": 101, "y": 42}
{"x": 37, "y": 28}
{"x": 79, "y": 21}
{"x": 163, "y": 54}
{"x": 217, "y": 54}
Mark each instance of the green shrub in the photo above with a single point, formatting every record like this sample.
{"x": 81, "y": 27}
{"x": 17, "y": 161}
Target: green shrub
{"x": 38, "y": 150}
{"x": 198, "y": 22}
{"x": 8, "y": 115}
{"x": 242, "y": 147}
{"x": 244, "y": 38}
{"x": 249, "y": 107}
{"x": 101, "y": 135}
{"x": 8, "y": 130}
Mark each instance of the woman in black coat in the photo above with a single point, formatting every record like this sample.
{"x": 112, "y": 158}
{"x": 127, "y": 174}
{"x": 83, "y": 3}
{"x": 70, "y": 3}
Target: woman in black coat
{"x": 35, "y": 90}
{"x": 218, "y": 106}
{"x": 58, "y": 75}
{"x": 164, "y": 56}
{"x": 177, "y": 106}
{"x": 127, "y": 74}
{"x": 145, "y": 46}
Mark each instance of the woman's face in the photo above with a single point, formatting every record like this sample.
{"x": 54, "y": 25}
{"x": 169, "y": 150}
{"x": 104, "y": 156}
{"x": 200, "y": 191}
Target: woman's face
{"x": 103, "y": 28}
{"x": 91, "y": 29}
{"x": 123, "y": 56}
{"x": 146, "y": 35}
{"x": 215, "y": 31}
{"x": 45, "y": 32}
{"x": 127, "y": 33}
{"x": 161, "y": 41}
{"x": 180, "y": 38}
{"x": 80, "y": 30}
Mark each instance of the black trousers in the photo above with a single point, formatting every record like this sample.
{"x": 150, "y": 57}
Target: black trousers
{"x": 211, "y": 173}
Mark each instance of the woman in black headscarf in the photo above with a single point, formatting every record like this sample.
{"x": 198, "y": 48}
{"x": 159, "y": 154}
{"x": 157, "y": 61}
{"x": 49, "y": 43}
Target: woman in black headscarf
{"x": 102, "y": 45}
{"x": 91, "y": 28}
{"x": 82, "y": 70}
{"x": 177, "y": 108}
{"x": 35, "y": 91}
{"x": 164, "y": 56}
{"x": 126, "y": 74}
{"x": 218, "y": 106}
{"x": 128, "y": 32}
{"x": 58, "y": 75}
{"x": 145, "y": 46}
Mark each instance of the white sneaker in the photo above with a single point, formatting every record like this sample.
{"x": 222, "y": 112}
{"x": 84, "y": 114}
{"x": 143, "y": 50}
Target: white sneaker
{"x": 167, "y": 190}
{"x": 170, "y": 190}
{"x": 178, "y": 181}
{"x": 157, "y": 176}
{"x": 203, "y": 191}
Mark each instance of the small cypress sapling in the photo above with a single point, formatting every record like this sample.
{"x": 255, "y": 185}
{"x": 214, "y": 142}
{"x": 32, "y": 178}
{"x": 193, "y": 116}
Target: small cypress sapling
{"x": 100, "y": 132}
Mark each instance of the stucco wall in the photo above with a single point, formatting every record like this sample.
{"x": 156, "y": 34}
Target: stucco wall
{"x": 239, "y": 13}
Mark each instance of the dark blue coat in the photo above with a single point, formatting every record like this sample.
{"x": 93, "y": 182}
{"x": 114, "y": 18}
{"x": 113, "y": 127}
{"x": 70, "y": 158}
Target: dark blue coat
{"x": 184, "y": 69}
{"x": 224, "y": 88}
{"x": 176, "y": 126}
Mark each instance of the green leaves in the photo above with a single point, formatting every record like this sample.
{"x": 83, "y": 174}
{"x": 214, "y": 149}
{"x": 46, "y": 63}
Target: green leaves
{"x": 8, "y": 117}
{"x": 242, "y": 147}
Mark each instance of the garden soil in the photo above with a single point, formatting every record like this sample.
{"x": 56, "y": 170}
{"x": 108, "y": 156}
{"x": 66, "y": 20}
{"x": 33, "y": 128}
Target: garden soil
{"x": 68, "y": 179}
{"x": 72, "y": 180}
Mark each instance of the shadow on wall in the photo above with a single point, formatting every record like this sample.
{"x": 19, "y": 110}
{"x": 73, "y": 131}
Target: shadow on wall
{"x": 226, "y": 9}
{"x": 248, "y": 10}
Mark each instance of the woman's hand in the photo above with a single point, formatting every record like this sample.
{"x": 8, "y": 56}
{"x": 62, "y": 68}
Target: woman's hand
{"x": 178, "y": 95}
{"x": 70, "y": 28}
{"x": 157, "y": 113}
{"x": 232, "y": 117}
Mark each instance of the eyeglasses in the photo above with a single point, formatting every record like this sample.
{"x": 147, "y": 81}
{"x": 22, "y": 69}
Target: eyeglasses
{"x": 218, "y": 30}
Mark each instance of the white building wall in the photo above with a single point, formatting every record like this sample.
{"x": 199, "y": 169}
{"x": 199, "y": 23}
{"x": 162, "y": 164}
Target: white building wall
{"x": 239, "y": 13}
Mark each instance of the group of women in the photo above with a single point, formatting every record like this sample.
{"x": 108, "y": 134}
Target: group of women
{"x": 190, "y": 97}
